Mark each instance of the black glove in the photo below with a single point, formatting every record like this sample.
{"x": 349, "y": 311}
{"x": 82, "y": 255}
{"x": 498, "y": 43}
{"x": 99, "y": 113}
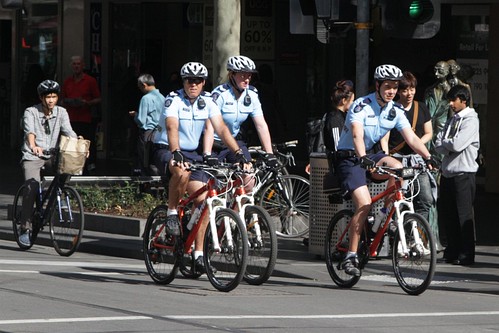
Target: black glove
{"x": 367, "y": 163}
{"x": 240, "y": 158}
{"x": 178, "y": 156}
{"x": 432, "y": 163}
{"x": 271, "y": 160}
{"x": 210, "y": 160}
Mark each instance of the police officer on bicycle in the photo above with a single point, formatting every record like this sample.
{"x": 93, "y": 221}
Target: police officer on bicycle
{"x": 187, "y": 111}
{"x": 237, "y": 101}
{"x": 368, "y": 120}
{"x": 42, "y": 124}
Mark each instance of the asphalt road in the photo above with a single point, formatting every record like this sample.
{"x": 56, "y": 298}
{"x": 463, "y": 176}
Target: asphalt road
{"x": 43, "y": 292}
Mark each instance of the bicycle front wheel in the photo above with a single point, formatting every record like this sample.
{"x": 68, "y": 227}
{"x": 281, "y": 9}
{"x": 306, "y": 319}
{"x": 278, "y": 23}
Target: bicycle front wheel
{"x": 67, "y": 220}
{"x": 262, "y": 239}
{"x": 16, "y": 218}
{"x": 226, "y": 264}
{"x": 160, "y": 248}
{"x": 336, "y": 248}
{"x": 414, "y": 270}
{"x": 287, "y": 202}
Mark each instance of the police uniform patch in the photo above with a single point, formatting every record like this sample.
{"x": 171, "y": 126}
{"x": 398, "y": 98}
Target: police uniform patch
{"x": 358, "y": 108}
{"x": 214, "y": 96}
{"x": 168, "y": 102}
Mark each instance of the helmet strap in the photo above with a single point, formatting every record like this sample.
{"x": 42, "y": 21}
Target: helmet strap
{"x": 378, "y": 84}
{"x": 234, "y": 84}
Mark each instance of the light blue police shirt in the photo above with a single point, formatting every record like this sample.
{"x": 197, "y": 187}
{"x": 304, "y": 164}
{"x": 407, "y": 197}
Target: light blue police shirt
{"x": 191, "y": 118}
{"x": 376, "y": 121}
{"x": 236, "y": 111}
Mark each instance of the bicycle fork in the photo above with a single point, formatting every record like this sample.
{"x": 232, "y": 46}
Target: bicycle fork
{"x": 59, "y": 207}
{"x": 253, "y": 223}
{"x": 399, "y": 205}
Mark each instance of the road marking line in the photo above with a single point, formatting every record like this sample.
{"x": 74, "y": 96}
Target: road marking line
{"x": 238, "y": 317}
{"x": 344, "y": 316}
{"x": 39, "y": 272}
{"x": 67, "y": 263}
{"x": 70, "y": 320}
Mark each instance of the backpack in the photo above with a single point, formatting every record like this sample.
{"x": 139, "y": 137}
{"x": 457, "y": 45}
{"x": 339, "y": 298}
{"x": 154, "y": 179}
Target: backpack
{"x": 314, "y": 135}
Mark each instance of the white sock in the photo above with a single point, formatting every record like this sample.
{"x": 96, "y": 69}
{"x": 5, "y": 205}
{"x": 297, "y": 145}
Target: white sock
{"x": 197, "y": 254}
{"x": 350, "y": 255}
{"x": 171, "y": 212}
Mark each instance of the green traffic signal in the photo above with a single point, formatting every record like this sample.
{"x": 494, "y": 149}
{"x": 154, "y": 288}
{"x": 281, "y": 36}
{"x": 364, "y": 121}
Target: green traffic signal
{"x": 420, "y": 11}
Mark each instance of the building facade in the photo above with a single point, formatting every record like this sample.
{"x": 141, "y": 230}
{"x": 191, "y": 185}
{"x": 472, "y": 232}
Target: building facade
{"x": 122, "y": 38}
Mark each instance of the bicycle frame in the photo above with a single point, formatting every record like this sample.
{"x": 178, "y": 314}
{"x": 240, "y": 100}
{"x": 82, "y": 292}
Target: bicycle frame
{"x": 398, "y": 203}
{"x": 210, "y": 206}
{"x": 47, "y": 198}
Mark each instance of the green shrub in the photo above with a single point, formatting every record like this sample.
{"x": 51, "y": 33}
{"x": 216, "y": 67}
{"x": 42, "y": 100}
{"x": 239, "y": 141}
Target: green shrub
{"x": 125, "y": 200}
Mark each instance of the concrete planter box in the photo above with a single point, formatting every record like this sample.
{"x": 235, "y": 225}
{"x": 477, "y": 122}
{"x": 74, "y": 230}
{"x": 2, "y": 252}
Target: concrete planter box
{"x": 112, "y": 224}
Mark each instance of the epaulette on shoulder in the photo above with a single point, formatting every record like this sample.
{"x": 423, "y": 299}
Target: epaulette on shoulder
{"x": 398, "y": 105}
{"x": 172, "y": 94}
{"x": 366, "y": 101}
{"x": 206, "y": 94}
{"x": 253, "y": 88}
{"x": 359, "y": 107}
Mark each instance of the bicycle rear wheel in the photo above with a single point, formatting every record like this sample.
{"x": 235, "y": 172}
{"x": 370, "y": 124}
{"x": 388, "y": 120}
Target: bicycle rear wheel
{"x": 336, "y": 248}
{"x": 160, "y": 248}
{"x": 414, "y": 271}
{"x": 67, "y": 221}
{"x": 287, "y": 202}
{"x": 16, "y": 218}
{"x": 231, "y": 258}
{"x": 262, "y": 253}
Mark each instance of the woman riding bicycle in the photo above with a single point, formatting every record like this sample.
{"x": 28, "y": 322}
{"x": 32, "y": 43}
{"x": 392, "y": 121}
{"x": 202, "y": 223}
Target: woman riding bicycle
{"x": 42, "y": 124}
{"x": 368, "y": 120}
{"x": 237, "y": 100}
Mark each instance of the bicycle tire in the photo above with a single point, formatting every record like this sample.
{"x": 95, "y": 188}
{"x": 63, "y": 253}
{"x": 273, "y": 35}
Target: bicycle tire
{"x": 230, "y": 262}
{"x": 16, "y": 218}
{"x": 67, "y": 222}
{"x": 334, "y": 256}
{"x": 161, "y": 262}
{"x": 262, "y": 252}
{"x": 414, "y": 272}
{"x": 290, "y": 216}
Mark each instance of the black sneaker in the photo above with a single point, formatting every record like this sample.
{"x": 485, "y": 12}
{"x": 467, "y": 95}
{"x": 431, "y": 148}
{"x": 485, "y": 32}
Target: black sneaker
{"x": 173, "y": 225}
{"x": 200, "y": 268}
{"x": 349, "y": 265}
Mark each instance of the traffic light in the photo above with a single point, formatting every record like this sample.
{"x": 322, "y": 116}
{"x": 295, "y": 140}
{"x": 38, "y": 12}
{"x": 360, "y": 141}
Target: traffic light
{"x": 419, "y": 19}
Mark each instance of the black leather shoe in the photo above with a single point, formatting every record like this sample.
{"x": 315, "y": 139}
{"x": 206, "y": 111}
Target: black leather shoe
{"x": 464, "y": 261}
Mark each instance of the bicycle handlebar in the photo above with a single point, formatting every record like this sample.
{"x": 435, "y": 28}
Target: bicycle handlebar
{"x": 401, "y": 173}
{"x": 278, "y": 146}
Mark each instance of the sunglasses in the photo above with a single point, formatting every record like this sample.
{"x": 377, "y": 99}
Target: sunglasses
{"x": 195, "y": 80}
{"x": 245, "y": 75}
{"x": 46, "y": 126}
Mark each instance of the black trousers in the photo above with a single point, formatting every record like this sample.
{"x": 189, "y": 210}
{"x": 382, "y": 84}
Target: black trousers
{"x": 455, "y": 212}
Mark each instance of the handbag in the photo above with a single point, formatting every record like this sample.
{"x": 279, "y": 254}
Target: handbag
{"x": 315, "y": 136}
{"x": 73, "y": 153}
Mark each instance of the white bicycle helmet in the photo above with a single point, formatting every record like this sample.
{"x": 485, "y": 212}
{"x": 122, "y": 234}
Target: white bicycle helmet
{"x": 48, "y": 87}
{"x": 241, "y": 64}
{"x": 388, "y": 72}
{"x": 194, "y": 69}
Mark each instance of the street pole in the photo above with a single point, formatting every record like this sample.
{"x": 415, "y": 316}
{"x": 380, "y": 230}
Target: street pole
{"x": 226, "y": 36}
{"x": 363, "y": 25}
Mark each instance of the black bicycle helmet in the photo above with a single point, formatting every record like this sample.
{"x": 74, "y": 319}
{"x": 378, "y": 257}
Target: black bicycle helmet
{"x": 194, "y": 69}
{"x": 388, "y": 73}
{"x": 241, "y": 64}
{"x": 48, "y": 87}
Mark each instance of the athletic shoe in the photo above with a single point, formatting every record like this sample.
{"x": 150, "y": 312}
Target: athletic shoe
{"x": 25, "y": 238}
{"x": 349, "y": 265}
{"x": 173, "y": 225}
